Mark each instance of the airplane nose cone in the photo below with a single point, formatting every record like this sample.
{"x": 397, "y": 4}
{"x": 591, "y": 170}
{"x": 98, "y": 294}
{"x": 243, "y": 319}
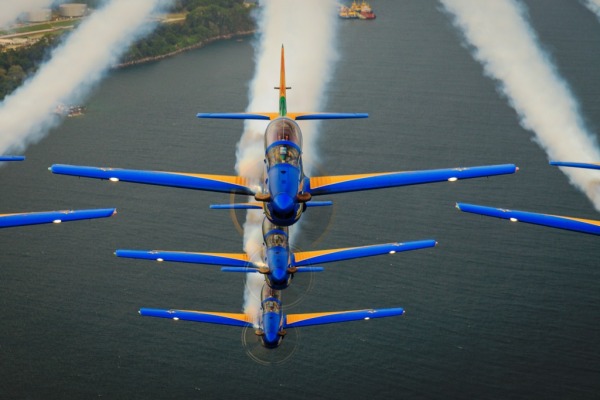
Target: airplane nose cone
{"x": 279, "y": 275}
{"x": 272, "y": 338}
{"x": 284, "y": 204}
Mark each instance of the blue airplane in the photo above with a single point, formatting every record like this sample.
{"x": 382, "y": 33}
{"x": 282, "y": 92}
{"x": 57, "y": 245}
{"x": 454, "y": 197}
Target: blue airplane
{"x": 272, "y": 324}
{"x": 575, "y": 164}
{"x": 285, "y": 191}
{"x": 554, "y": 221}
{"x": 278, "y": 263}
{"x": 47, "y": 217}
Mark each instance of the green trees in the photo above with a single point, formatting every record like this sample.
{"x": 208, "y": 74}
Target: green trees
{"x": 204, "y": 19}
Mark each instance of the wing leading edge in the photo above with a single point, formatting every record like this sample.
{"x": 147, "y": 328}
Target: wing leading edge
{"x": 304, "y": 258}
{"x": 350, "y": 183}
{"x": 213, "y": 183}
{"x": 553, "y": 221}
{"x": 47, "y": 217}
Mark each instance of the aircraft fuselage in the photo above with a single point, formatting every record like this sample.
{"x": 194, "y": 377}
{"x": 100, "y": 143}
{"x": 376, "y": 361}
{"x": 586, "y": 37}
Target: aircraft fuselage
{"x": 284, "y": 174}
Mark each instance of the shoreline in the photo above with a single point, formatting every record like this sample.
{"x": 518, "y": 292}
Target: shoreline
{"x": 184, "y": 49}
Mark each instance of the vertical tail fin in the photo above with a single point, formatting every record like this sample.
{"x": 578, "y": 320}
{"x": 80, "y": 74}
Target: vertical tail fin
{"x": 282, "y": 87}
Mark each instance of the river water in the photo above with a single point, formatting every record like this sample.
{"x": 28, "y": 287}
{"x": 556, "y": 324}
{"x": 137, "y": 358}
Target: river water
{"x": 497, "y": 310}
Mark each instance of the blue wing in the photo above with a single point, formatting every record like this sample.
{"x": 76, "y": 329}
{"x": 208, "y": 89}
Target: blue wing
{"x": 213, "y": 183}
{"x": 12, "y": 158}
{"x": 34, "y": 218}
{"x": 575, "y": 164}
{"x": 199, "y": 316}
{"x": 350, "y": 183}
{"x": 299, "y": 320}
{"x": 324, "y": 256}
{"x": 313, "y": 116}
{"x": 554, "y": 221}
{"x": 228, "y": 259}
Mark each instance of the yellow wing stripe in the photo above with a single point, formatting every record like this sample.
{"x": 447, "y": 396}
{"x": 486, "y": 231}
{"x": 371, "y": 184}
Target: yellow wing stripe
{"x": 306, "y": 255}
{"x": 319, "y": 181}
{"x": 587, "y": 221}
{"x": 294, "y": 318}
{"x": 235, "y": 180}
{"x": 236, "y": 316}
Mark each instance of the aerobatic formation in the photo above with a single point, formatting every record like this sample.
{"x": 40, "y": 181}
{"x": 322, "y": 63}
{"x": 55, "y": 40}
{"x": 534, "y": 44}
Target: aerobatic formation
{"x": 284, "y": 193}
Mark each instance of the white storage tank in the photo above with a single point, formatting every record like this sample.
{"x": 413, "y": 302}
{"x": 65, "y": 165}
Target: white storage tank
{"x": 42, "y": 15}
{"x": 71, "y": 10}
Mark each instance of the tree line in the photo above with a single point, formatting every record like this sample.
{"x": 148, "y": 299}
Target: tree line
{"x": 204, "y": 20}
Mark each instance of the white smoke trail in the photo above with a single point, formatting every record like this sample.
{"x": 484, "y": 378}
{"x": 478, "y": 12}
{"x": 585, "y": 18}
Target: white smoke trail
{"x": 307, "y": 30}
{"x": 10, "y": 10}
{"x": 505, "y": 44}
{"x": 74, "y": 68}
{"x": 593, "y": 6}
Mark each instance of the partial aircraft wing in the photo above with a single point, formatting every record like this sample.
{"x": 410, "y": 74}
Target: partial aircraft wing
{"x": 200, "y": 316}
{"x": 213, "y": 183}
{"x": 239, "y": 260}
{"x": 554, "y": 221}
{"x": 575, "y": 164}
{"x": 34, "y": 218}
{"x": 299, "y": 320}
{"x": 351, "y": 183}
{"x": 12, "y": 158}
{"x": 304, "y": 258}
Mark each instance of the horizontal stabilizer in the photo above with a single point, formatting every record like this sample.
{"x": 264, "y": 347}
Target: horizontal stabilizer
{"x": 575, "y": 164}
{"x": 263, "y": 116}
{"x": 319, "y": 203}
{"x": 299, "y": 320}
{"x": 351, "y": 183}
{"x": 228, "y": 259}
{"x": 199, "y": 316}
{"x": 12, "y": 158}
{"x": 309, "y": 269}
{"x": 212, "y": 183}
{"x": 270, "y": 116}
{"x": 35, "y": 218}
{"x": 245, "y": 270}
{"x": 324, "y": 256}
{"x": 259, "y": 206}
{"x": 237, "y": 206}
{"x": 315, "y": 116}
{"x": 553, "y": 221}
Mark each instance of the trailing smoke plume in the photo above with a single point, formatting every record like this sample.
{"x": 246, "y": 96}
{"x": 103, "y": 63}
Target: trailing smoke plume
{"x": 504, "y": 43}
{"x": 74, "y": 68}
{"x": 594, "y": 6}
{"x": 10, "y": 10}
{"x": 307, "y": 30}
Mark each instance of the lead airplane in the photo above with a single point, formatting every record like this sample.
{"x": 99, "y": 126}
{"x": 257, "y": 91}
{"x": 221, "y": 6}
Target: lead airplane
{"x": 279, "y": 263}
{"x": 48, "y": 217}
{"x": 285, "y": 191}
{"x": 272, "y": 324}
{"x": 554, "y": 221}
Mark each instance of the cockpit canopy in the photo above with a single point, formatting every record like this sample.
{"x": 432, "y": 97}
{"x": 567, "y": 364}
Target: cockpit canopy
{"x": 283, "y": 129}
{"x": 274, "y": 235}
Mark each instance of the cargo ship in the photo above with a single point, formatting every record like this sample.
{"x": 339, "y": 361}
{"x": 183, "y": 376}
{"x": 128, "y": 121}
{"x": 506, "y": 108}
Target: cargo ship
{"x": 357, "y": 11}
